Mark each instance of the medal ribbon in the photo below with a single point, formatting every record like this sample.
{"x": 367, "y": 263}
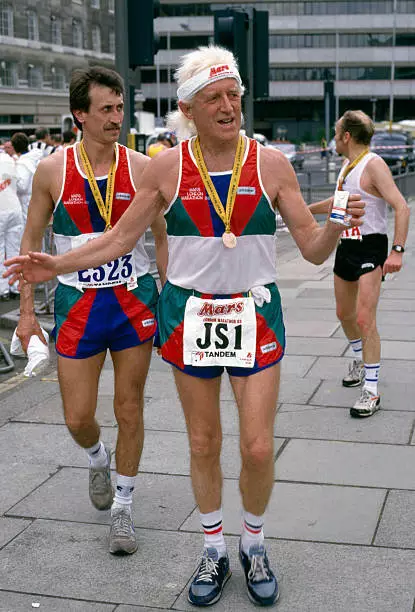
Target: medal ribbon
{"x": 350, "y": 167}
{"x": 224, "y": 214}
{"x": 105, "y": 210}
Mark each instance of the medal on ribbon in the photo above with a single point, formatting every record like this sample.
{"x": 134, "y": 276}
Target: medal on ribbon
{"x": 228, "y": 238}
{"x": 105, "y": 209}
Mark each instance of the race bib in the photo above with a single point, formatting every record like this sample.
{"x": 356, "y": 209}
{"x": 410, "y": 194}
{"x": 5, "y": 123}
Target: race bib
{"x": 219, "y": 332}
{"x": 120, "y": 271}
{"x": 353, "y": 233}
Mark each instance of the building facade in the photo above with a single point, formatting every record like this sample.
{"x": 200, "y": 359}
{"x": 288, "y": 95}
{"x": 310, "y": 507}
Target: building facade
{"x": 367, "y": 48}
{"x": 41, "y": 43}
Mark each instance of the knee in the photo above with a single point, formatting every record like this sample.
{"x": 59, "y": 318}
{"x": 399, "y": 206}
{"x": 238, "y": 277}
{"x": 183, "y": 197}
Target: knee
{"x": 258, "y": 452}
{"x": 366, "y": 322}
{"x": 344, "y": 314}
{"x": 77, "y": 424}
{"x": 128, "y": 414}
{"x": 205, "y": 446}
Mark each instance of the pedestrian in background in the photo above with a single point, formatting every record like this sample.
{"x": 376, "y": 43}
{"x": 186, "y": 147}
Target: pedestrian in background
{"x": 11, "y": 219}
{"x": 26, "y": 164}
{"x": 362, "y": 257}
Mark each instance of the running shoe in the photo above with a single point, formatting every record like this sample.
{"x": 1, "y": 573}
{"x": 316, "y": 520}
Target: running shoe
{"x": 366, "y": 405}
{"x": 209, "y": 580}
{"x": 122, "y": 533}
{"x": 356, "y": 374}
{"x": 260, "y": 580}
{"x": 101, "y": 492}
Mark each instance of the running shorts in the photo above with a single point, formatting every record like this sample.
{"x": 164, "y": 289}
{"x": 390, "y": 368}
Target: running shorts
{"x": 170, "y": 320}
{"x": 357, "y": 257}
{"x": 90, "y": 322}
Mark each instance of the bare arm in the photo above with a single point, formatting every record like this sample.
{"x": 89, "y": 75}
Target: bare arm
{"x": 384, "y": 186}
{"x": 319, "y": 208}
{"x": 315, "y": 242}
{"x": 39, "y": 214}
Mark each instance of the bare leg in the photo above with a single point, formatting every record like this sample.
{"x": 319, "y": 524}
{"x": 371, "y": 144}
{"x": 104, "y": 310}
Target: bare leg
{"x": 256, "y": 397}
{"x": 78, "y": 380}
{"x": 130, "y": 371}
{"x": 200, "y": 402}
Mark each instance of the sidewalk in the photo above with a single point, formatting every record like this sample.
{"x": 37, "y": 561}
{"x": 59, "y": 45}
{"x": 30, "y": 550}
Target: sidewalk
{"x": 341, "y": 523}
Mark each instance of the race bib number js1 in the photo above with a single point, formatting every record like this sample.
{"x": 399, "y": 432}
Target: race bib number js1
{"x": 219, "y": 332}
{"x": 120, "y": 271}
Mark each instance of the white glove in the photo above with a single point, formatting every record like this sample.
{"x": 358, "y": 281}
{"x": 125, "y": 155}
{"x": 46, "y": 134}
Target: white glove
{"x": 37, "y": 353}
{"x": 261, "y": 294}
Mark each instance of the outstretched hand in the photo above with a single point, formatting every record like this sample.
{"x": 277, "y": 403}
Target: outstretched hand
{"x": 31, "y": 268}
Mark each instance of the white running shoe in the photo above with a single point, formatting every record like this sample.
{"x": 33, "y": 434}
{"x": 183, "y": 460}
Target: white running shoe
{"x": 356, "y": 374}
{"x": 366, "y": 405}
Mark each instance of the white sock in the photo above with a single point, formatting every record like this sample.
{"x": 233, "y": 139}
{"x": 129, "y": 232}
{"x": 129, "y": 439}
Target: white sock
{"x": 124, "y": 488}
{"x": 357, "y": 348}
{"x": 371, "y": 377}
{"x": 97, "y": 455}
{"x": 213, "y": 531}
{"x": 252, "y": 531}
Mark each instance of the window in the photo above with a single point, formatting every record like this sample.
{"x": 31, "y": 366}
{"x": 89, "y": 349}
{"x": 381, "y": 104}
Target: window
{"x": 6, "y": 21}
{"x": 95, "y": 4}
{"x": 58, "y": 78}
{"x": 77, "y": 37}
{"x": 34, "y": 76}
{"x": 8, "y": 74}
{"x": 111, "y": 6}
{"x": 32, "y": 26}
{"x": 96, "y": 38}
{"x": 111, "y": 41}
{"x": 56, "y": 30}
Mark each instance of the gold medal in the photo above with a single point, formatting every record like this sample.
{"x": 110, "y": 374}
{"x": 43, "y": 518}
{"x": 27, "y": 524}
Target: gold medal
{"x": 225, "y": 214}
{"x": 229, "y": 240}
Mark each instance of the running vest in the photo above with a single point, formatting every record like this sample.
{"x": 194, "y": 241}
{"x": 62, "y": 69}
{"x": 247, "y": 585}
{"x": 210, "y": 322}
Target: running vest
{"x": 197, "y": 257}
{"x": 76, "y": 213}
{"x": 376, "y": 213}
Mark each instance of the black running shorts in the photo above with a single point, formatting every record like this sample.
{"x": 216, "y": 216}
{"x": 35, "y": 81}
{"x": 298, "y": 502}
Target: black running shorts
{"x": 357, "y": 257}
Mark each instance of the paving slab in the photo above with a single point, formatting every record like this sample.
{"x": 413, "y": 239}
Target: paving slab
{"x": 312, "y": 328}
{"x": 393, "y": 396}
{"x": 334, "y": 347}
{"x": 295, "y": 390}
{"x": 348, "y": 463}
{"x": 307, "y": 512}
{"x": 334, "y": 368}
{"x": 310, "y": 315}
{"x": 397, "y": 305}
{"x": 89, "y": 571}
{"x": 299, "y": 421}
{"x": 19, "y": 479}
{"x": 397, "y": 526}
{"x": 16, "y": 602}
{"x": 10, "y": 528}
{"x": 296, "y": 365}
{"x": 394, "y": 317}
{"x": 398, "y": 294}
{"x": 160, "y": 502}
{"x": 326, "y": 305}
{"x": 319, "y": 577}
{"x": 16, "y": 400}
{"x": 26, "y": 443}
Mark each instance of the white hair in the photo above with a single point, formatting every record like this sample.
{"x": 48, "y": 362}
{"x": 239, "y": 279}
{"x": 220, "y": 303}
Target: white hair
{"x": 191, "y": 64}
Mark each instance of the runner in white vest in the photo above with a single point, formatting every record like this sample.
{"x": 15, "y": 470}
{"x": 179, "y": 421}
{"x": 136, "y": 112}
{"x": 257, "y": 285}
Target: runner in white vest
{"x": 220, "y": 306}
{"x": 362, "y": 256}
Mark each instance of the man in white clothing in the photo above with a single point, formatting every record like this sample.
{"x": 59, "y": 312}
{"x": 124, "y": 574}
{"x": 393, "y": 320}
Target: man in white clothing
{"x": 25, "y": 168}
{"x": 11, "y": 222}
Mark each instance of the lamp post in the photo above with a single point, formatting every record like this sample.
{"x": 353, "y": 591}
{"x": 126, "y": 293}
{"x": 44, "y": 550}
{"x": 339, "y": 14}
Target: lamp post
{"x": 392, "y": 65}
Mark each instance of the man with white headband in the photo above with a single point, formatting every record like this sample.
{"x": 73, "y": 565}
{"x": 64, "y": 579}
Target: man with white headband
{"x": 220, "y": 307}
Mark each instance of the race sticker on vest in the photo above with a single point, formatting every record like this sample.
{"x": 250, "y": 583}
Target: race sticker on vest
{"x": 353, "y": 233}
{"x": 120, "y": 271}
{"x": 219, "y": 332}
